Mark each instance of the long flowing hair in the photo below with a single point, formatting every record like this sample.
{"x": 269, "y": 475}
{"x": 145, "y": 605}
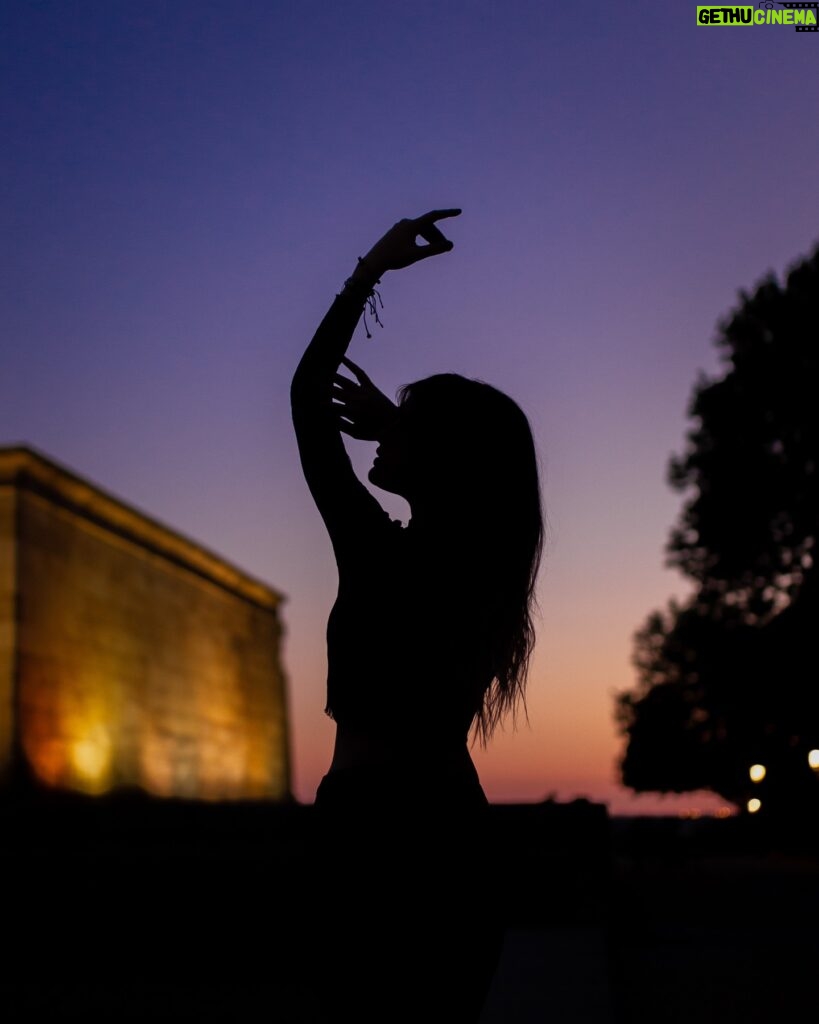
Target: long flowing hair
{"x": 480, "y": 458}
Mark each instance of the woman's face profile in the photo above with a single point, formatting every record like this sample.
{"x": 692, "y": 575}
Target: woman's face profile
{"x": 416, "y": 454}
{"x": 394, "y": 466}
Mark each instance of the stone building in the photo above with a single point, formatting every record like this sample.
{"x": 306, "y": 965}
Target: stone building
{"x": 129, "y": 655}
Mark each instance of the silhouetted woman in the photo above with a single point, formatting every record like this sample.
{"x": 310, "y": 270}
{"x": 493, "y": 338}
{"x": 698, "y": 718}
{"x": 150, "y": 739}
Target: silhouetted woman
{"x": 428, "y": 645}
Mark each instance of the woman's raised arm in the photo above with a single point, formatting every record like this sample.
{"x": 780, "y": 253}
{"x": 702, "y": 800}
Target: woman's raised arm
{"x": 348, "y": 509}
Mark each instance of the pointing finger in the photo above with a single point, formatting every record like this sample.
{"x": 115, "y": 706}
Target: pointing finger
{"x": 433, "y": 215}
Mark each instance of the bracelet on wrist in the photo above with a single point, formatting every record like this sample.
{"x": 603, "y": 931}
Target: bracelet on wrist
{"x": 366, "y": 292}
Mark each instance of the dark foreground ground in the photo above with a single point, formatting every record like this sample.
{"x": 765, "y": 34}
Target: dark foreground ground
{"x": 131, "y": 911}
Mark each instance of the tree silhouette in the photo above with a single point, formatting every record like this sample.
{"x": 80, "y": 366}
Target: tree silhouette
{"x": 729, "y": 679}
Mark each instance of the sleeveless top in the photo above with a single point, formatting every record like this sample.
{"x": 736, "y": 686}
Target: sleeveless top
{"x": 403, "y": 651}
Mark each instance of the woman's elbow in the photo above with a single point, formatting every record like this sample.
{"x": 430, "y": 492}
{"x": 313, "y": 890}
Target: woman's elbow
{"x": 299, "y": 386}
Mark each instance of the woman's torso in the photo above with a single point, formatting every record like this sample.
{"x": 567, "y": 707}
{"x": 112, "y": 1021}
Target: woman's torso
{"x": 407, "y": 654}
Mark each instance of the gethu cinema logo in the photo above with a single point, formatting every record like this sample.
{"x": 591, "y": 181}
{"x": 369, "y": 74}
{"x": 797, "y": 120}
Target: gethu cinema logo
{"x": 802, "y": 16}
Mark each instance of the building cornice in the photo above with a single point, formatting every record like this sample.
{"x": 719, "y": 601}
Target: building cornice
{"x": 27, "y": 469}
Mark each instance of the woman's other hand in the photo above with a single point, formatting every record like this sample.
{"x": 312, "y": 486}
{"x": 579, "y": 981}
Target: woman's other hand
{"x": 364, "y": 412}
{"x": 398, "y": 247}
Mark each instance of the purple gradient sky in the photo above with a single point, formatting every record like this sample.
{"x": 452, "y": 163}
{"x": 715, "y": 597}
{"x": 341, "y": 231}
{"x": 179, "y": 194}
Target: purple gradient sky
{"x": 186, "y": 185}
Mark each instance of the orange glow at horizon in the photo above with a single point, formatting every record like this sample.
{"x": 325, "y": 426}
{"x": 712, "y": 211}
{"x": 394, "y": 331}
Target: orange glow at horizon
{"x": 569, "y": 748}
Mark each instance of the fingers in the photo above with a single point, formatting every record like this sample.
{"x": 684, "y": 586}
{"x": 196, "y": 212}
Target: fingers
{"x": 433, "y": 235}
{"x": 348, "y": 428}
{"x": 356, "y": 369}
{"x": 348, "y": 393}
{"x": 436, "y": 246}
{"x": 433, "y": 215}
{"x": 437, "y": 241}
{"x": 347, "y": 390}
{"x": 425, "y": 227}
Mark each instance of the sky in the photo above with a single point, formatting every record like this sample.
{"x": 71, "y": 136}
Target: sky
{"x": 186, "y": 185}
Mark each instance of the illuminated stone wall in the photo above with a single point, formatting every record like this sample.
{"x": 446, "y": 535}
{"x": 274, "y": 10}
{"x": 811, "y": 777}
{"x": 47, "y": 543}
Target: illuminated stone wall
{"x": 131, "y": 656}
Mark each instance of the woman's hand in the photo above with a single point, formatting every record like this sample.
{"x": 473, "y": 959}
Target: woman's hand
{"x": 364, "y": 411}
{"x": 398, "y": 247}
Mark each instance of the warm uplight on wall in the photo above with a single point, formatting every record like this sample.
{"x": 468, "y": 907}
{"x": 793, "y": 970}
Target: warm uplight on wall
{"x": 757, "y": 772}
{"x": 90, "y": 756}
{"x": 754, "y": 805}
{"x": 813, "y": 758}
